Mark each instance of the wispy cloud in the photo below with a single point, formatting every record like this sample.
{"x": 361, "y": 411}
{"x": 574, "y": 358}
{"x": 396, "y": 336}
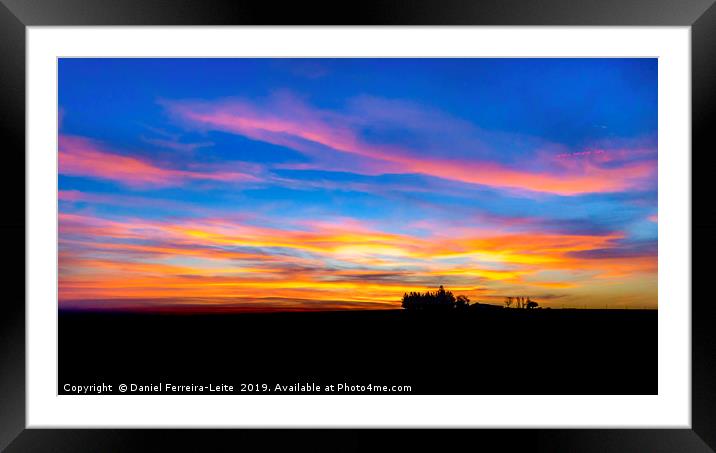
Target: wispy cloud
{"x": 320, "y": 134}
{"x": 176, "y": 145}
{"x": 342, "y": 260}
{"x": 80, "y": 156}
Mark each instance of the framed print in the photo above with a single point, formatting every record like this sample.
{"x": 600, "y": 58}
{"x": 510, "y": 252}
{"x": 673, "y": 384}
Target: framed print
{"x": 435, "y": 216}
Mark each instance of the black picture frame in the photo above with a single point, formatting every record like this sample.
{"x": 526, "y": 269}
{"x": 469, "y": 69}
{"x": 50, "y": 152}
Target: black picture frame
{"x": 16, "y": 15}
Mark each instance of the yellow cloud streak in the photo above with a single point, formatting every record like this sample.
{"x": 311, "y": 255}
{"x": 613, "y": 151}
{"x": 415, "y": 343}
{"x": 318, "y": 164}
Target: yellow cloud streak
{"x": 145, "y": 276}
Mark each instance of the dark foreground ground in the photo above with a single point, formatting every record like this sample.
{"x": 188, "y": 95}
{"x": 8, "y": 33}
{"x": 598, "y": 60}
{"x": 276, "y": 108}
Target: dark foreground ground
{"x": 500, "y": 352}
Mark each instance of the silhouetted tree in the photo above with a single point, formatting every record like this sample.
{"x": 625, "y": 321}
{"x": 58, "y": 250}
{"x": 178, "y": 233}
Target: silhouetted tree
{"x": 462, "y": 302}
{"x": 445, "y": 298}
{"x": 521, "y": 302}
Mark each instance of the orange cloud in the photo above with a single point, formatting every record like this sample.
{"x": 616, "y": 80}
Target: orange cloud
{"x": 340, "y": 261}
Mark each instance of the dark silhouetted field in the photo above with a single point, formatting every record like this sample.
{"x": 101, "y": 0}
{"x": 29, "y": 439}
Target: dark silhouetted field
{"x": 489, "y": 352}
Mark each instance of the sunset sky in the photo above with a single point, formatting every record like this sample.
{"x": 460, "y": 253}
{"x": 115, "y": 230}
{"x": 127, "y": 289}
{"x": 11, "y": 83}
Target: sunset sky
{"x": 343, "y": 183}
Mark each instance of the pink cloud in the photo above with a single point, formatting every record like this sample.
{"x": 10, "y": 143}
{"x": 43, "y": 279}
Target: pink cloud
{"x": 322, "y": 135}
{"x": 80, "y": 156}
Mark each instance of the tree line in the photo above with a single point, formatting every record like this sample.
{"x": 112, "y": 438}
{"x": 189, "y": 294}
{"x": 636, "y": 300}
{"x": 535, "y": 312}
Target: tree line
{"x": 443, "y": 300}
{"x": 437, "y": 300}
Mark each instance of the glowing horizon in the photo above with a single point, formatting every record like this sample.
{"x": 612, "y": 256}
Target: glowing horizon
{"x": 315, "y": 184}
